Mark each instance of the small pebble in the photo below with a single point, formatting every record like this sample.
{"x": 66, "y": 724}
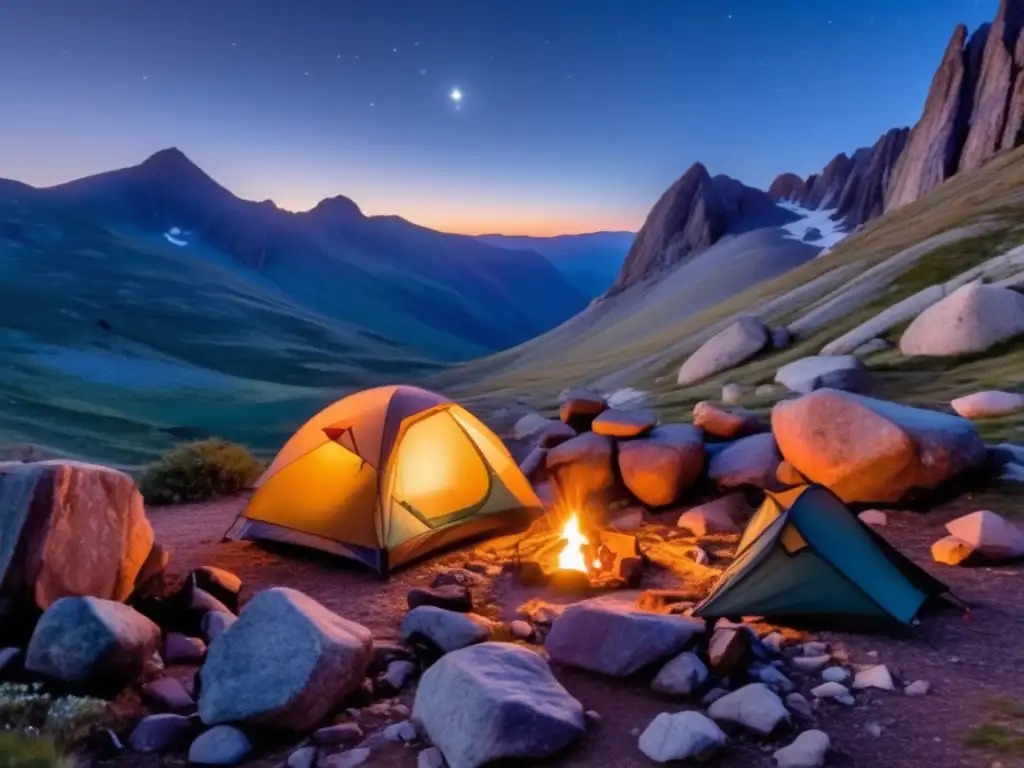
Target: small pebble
{"x": 404, "y": 732}
{"x": 593, "y": 716}
{"x": 344, "y": 733}
{"x": 917, "y": 688}
{"x": 521, "y": 629}
{"x": 874, "y": 730}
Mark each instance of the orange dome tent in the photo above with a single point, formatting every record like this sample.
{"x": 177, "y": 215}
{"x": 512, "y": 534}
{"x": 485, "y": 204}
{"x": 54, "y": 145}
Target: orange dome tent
{"x": 386, "y": 476}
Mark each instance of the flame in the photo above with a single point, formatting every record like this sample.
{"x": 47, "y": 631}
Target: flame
{"x": 571, "y": 558}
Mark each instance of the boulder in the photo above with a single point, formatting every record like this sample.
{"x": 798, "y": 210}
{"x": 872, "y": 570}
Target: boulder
{"x": 168, "y": 693}
{"x": 983, "y": 405}
{"x": 727, "y": 425}
{"x": 534, "y": 461}
{"x": 342, "y": 734}
{"x": 874, "y": 517}
{"x": 808, "y": 750}
{"x": 718, "y": 516}
{"x": 830, "y": 690}
{"x": 222, "y": 584}
{"x": 683, "y": 675}
{"x": 532, "y": 427}
{"x": 868, "y": 450}
{"x": 752, "y": 461}
{"x": 835, "y": 675}
{"x": 874, "y": 677}
{"x": 303, "y": 757}
{"x": 917, "y": 688}
{"x": 583, "y": 466}
{"x": 451, "y": 597}
{"x": 989, "y": 536}
{"x": 317, "y": 657}
{"x": 160, "y": 733}
{"x": 624, "y": 424}
{"x": 845, "y": 372}
{"x": 446, "y": 630}
{"x": 215, "y": 622}
{"x": 70, "y": 529}
{"x": 182, "y": 649}
{"x": 951, "y": 551}
{"x": 811, "y": 664}
{"x": 754, "y": 706}
{"x": 397, "y": 673}
{"x": 681, "y": 736}
{"x": 581, "y": 408}
{"x": 458, "y": 577}
{"x": 91, "y": 641}
{"x": 726, "y": 349}
{"x": 222, "y": 745}
{"x": 658, "y": 469}
{"x": 430, "y": 757}
{"x": 495, "y": 701}
{"x": 730, "y": 650}
{"x": 971, "y": 319}
{"x": 611, "y": 637}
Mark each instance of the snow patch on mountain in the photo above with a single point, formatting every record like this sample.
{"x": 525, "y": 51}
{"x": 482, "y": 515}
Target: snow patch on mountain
{"x": 175, "y": 236}
{"x": 829, "y": 231}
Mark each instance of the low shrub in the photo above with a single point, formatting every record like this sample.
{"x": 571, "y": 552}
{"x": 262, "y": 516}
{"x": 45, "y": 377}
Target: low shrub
{"x": 20, "y": 751}
{"x": 199, "y": 472}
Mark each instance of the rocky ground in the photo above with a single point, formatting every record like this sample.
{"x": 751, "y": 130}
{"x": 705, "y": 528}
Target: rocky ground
{"x": 974, "y": 663}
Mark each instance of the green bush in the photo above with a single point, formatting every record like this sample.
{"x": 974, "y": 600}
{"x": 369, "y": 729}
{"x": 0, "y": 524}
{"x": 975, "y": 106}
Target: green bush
{"x": 19, "y": 751}
{"x": 199, "y": 472}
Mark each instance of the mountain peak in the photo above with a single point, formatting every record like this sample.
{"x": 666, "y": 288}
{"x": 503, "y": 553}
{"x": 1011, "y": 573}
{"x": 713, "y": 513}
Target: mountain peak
{"x": 337, "y": 208}
{"x": 171, "y": 157}
{"x": 786, "y": 186}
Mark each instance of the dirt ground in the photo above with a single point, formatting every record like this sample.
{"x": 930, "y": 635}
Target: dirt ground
{"x": 974, "y": 662}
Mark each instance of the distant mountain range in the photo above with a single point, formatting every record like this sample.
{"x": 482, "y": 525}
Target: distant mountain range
{"x": 589, "y": 261}
{"x": 974, "y": 109}
{"x": 442, "y": 296}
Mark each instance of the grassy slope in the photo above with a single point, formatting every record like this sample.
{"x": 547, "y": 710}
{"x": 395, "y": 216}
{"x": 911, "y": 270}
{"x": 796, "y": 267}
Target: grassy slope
{"x": 569, "y": 355}
{"x": 195, "y": 347}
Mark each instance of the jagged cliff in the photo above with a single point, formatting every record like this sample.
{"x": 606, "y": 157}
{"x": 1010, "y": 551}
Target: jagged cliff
{"x": 693, "y": 214}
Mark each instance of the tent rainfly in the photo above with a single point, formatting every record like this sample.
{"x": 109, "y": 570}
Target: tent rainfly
{"x": 805, "y": 555}
{"x": 386, "y": 476}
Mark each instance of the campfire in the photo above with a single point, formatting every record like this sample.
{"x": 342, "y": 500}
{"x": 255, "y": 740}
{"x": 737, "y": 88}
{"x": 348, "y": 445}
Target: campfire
{"x": 563, "y": 550}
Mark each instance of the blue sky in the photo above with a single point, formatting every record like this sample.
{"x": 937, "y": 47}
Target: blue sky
{"x": 576, "y": 114}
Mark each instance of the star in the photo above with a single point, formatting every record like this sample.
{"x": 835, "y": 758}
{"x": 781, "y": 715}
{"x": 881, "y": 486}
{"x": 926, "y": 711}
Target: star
{"x": 305, "y": 74}
{"x": 234, "y": 45}
{"x": 338, "y": 56}
{"x": 730, "y": 17}
{"x": 416, "y": 44}
{"x": 423, "y": 71}
{"x": 372, "y": 104}
{"x": 145, "y": 77}
{"x": 394, "y": 50}
{"x": 455, "y": 95}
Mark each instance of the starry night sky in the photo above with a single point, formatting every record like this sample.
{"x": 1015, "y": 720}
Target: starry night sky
{"x": 576, "y": 114}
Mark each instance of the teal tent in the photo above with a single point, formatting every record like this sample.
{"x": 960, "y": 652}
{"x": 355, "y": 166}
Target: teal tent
{"x": 806, "y": 555}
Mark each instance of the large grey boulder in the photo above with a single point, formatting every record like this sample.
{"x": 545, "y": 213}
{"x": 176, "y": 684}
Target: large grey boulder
{"x": 495, "y": 701}
{"x": 683, "y": 675}
{"x": 726, "y": 349}
{"x": 681, "y": 736}
{"x": 752, "y": 461}
{"x": 287, "y": 662}
{"x": 868, "y": 450}
{"x": 658, "y": 469}
{"x": 844, "y": 372}
{"x": 91, "y": 641}
{"x": 983, "y": 405}
{"x": 447, "y": 630}
{"x": 972, "y": 319}
{"x": 609, "y": 636}
{"x": 808, "y": 750}
{"x": 67, "y": 529}
{"x": 754, "y": 706}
